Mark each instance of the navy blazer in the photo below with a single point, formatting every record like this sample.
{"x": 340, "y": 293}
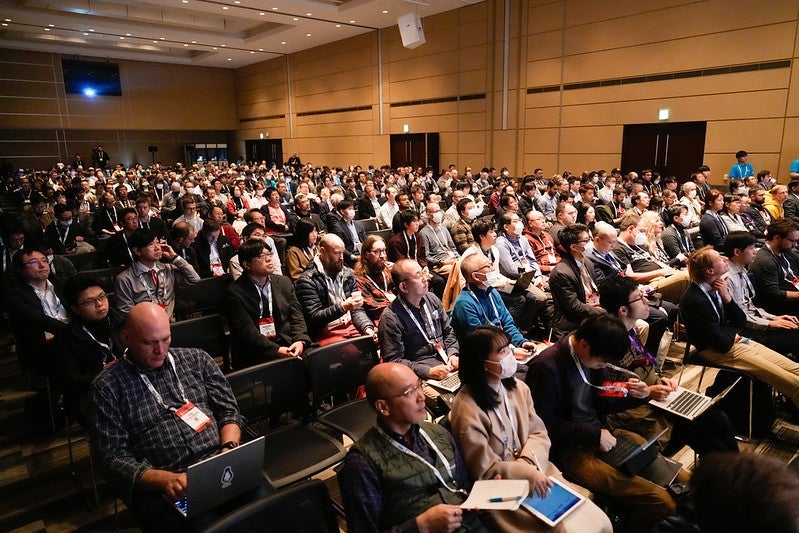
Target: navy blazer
{"x": 203, "y": 248}
{"x": 337, "y": 226}
{"x": 713, "y": 230}
{"x": 703, "y": 325}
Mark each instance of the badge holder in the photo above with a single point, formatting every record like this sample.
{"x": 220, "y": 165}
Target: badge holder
{"x": 193, "y": 417}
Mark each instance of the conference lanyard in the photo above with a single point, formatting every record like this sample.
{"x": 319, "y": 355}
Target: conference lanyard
{"x": 156, "y": 394}
{"x": 385, "y": 282}
{"x": 612, "y": 388}
{"x": 493, "y": 306}
{"x": 408, "y": 245}
{"x": 108, "y": 214}
{"x": 63, "y": 238}
{"x": 407, "y": 451}
{"x": 509, "y": 412}
{"x": 786, "y": 270}
{"x": 418, "y": 325}
{"x": 264, "y": 290}
{"x": 106, "y": 347}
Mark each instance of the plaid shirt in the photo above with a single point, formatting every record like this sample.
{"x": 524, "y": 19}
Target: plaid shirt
{"x": 132, "y": 432}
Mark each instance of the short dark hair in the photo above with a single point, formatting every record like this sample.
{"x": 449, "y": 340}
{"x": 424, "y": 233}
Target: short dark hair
{"x": 77, "y": 284}
{"x": 408, "y": 216}
{"x": 606, "y": 336}
{"x": 343, "y": 205}
{"x": 481, "y": 227}
{"x": 252, "y": 249}
{"x": 737, "y": 240}
{"x": 781, "y": 227}
{"x": 676, "y": 211}
{"x": 250, "y": 228}
{"x": 463, "y": 203}
{"x": 614, "y": 293}
{"x": 740, "y": 153}
{"x": 571, "y": 234}
{"x": 60, "y": 209}
{"x": 141, "y": 238}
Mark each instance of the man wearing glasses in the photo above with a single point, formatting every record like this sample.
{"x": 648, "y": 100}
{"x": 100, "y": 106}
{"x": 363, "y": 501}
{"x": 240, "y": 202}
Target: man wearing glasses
{"x": 405, "y": 474}
{"x": 35, "y": 310}
{"x": 776, "y": 269}
{"x": 415, "y": 329}
{"x": 265, "y": 317}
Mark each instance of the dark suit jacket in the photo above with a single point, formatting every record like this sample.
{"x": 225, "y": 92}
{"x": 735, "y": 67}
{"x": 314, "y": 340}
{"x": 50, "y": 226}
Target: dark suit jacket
{"x": 771, "y": 285}
{"x": 241, "y": 307}
{"x": 674, "y": 241}
{"x": 54, "y": 233}
{"x": 703, "y": 325}
{"x": 203, "y": 249}
{"x": 791, "y": 207}
{"x": 336, "y": 225}
{"x": 117, "y": 251}
{"x": 156, "y": 225}
{"x": 366, "y": 209}
{"x": 28, "y": 324}
{"x": 568, "y": 294}
{"x": 551, "y": 375}
{"x": 710, "y": 227}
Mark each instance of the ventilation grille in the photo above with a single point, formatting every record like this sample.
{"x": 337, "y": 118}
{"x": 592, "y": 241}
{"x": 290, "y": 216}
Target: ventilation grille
{"x": 331, "y": 111}
{"x": 264, "y": 117}
{"x": 461, "y": 98}
{"x": 662, "y": 77}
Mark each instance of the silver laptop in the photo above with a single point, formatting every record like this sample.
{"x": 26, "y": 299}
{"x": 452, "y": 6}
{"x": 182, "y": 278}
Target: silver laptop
{"x": 689, "y": 404}
{"x": 221, "y": 478}
{"x": 451, "y": 383}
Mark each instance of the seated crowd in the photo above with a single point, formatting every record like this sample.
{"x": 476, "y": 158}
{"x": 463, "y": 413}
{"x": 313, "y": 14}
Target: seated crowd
{"x": 548, "y": 297}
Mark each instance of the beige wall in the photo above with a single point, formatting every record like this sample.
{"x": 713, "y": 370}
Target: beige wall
{"x": 159, "y": 106}
{"x": 552, "y": 43}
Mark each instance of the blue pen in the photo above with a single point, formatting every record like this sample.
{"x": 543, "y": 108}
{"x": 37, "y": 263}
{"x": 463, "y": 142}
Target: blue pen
{"x": 501, "y": 500}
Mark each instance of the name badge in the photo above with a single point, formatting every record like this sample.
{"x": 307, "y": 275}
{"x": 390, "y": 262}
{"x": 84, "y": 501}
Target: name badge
{"x": 191, "y": 415}
{"x": 267, "y": 327}
{"x": 217, "y": 269}
{"x": 795, "y": 282}
{"x": 592, "y": 299}
{"x": 357, "y": 247}
{"x": 551, "y": 259}
{"x": 390, "y": 296}
{"x": 117, "y": 227}
{"x": 451, "y": 252}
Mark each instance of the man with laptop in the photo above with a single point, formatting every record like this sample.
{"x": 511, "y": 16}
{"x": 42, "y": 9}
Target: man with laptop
{"x": 573, "y": 398}
{"x": 155, "y": 413}
{"x": 711, "y": 431}
{"x": 414, "y": 329}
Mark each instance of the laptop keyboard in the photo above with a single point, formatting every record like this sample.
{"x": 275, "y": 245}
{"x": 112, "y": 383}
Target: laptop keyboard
{"x": 453, "y": 381}
{"x": 616, "y": 455}
{"x": 686, "y": 402}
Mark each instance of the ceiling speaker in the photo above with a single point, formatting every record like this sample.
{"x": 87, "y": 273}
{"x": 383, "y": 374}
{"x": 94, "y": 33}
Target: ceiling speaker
{"x": 410, "y": 27}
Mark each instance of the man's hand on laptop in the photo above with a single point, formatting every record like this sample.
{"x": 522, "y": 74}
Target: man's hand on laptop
{"x": 661, "y": 391}
{"x": 439, "y": 372}
{"x": 606, "y": 441}
{"x": 637, "y": 388}
{"x": 171, "y": 484}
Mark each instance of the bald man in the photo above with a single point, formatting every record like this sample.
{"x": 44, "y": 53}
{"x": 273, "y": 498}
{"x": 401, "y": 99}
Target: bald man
{"x": 404, "y": 474}
{"x": 330, "y": 298}
{"x": 156, "y": 412}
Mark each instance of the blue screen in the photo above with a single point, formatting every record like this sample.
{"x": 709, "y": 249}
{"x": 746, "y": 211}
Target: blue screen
{"x": 555, "y": 505}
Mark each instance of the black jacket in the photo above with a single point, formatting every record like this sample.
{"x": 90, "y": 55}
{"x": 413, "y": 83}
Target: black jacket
{"x": 703, "y": 325}
{"x": 319, "y": 310}
{"x": 337, "y": 226}
{"x": 242, "y": 307}
{"x": 203, "y": 250}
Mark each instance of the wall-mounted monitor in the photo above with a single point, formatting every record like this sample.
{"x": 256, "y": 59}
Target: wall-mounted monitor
{"x": 91, "y": 78}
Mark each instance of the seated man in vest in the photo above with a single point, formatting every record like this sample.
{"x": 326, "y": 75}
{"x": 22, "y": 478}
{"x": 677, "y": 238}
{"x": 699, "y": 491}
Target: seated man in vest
{"x": 405, "y": 474}
{"x": 265, "y": 317}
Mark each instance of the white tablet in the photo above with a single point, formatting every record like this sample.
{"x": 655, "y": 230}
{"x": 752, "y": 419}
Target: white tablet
{"x": 560, "y": 501}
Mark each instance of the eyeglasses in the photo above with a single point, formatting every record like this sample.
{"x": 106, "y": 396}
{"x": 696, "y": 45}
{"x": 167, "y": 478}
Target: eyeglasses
{"x": 409, "y": 391}
{"x": 36, "y": 262}
{"x": 93, "y": 301}
{"x": 377, "y": 251}
{"x": 641, "y": 298}
{"x": 583, "y": 241}
{"x": 422, "y": 274}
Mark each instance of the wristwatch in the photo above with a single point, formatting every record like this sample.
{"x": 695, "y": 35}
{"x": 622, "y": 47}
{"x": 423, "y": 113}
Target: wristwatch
{"x": 229, "y": 445}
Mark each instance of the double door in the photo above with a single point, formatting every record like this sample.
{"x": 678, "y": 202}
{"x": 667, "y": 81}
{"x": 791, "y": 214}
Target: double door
{"x": 670, "y": 149}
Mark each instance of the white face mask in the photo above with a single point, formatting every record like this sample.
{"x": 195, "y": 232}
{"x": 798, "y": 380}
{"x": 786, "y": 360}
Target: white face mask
{"x": 438, "y": 217}
{"x": 491, "y": 279}
{"x": 474, "y": 212}
{"x": 518, "y": 227}
{"x": 640, "y": 238}
{"x": 508, "y": 367}
{"x": 350, "y": 214}
{"x": 692, "y": 194}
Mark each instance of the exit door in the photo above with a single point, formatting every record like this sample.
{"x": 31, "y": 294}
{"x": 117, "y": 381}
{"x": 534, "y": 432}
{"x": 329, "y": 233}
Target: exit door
{"x": 269, "y": 150}
{"x": 414, "y": 149}
{"x": 670, "y": 149}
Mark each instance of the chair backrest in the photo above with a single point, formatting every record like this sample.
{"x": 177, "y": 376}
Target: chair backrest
{"x": 83, "y": 261}
{"x": 105, "y": 275}
{"x": 202, "y": 298}
{"x": 208, "y": 333}
{"x": 340, "y": 368}
{"x": 368, "y": 224}
{"x": 302, "y": 508}
{"x": 266, "y": 391}
{"x": 385, "y": 233}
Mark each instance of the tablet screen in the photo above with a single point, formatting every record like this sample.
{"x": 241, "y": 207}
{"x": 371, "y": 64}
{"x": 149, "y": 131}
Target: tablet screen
{"x": 556, "y": 505}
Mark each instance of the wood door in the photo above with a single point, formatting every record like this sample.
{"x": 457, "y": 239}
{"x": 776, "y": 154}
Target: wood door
{"x": 269, "y": 150}
{"x": 670, "y": 149}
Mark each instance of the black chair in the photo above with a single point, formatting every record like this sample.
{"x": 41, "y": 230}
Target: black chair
{"x": 202, "y": 298}
{"x": 385, "y": 233}
{"x": 83, "y": 261}
{"x": 368, "y": 224}
{"x": 209, "y": 333}
{"x": 336, "y": 372}
{"x": 304, "y": 508}
{"x": 275, "y": 392}
{"x": 105, "y": 275}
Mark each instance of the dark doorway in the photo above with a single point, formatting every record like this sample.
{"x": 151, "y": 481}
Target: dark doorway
{"x": 415, "y": 149}
{"x": 269, "y": 150}
{"x": 670, "y": 149}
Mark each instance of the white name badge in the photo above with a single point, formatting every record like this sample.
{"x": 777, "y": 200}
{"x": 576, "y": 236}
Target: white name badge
{"x": 390, "y": 297}
{"x": 552, "y": 259}
{"x": 191, "y": 415}
{"x": 441, "y": 353}
{"x": 267, "y": 327}
{"x": 592, "y": 299}
{"x": 217, "y": 269}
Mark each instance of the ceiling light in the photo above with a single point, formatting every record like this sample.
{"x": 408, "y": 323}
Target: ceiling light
{"x": 194, "y": 42}
{"x": 51, "y": 25}
{"x": 352, "y": 22}
{"x": 230, "y": 59}
{"x": 222, "y": 45}
{"x": 85, "y": 33}
{"x": 309, "y": 14}
{"x": 385, "y": 11}
{"x": 236, "y": 1}
{"x": 122, "y": 38}
{"x": 185, "y": 1}
{"x": 274, "y": 9}
{"x": 162, "y": 38}
{"x": 6, "y": 24}
{"x": 295, "y": 19}
{"x": 262, "y": 13}
{"x": 225, "y": 7}
{"x": 260, "y": 49}
{"x": 91, "y": 92}
{"x": 252, "y": 52}
{"x": 215, "y": 48}
{"x": 8, "y": 20}
{"x": 307, "y": 34}
{"x": 91, "y": 29}
{"x": 156, "y": 42}
{"x": 338, "y": 25}
{"x": 127, "y": 34}
{"x": 184, "y": 44}
{"x": 47, "y": 29}
{"x": 282, "y": 42}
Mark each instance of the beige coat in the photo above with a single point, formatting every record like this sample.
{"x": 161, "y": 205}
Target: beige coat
{"x": 480, "y": 437}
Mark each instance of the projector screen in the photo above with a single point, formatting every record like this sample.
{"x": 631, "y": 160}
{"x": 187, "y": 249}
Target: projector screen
{"x": 91, "y": 78}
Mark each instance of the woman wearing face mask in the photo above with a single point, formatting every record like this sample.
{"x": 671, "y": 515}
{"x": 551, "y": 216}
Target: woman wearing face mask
{"x": 689, "y": 199}
{"x": 499, "y": 433}
{"x": 711, "y": 226}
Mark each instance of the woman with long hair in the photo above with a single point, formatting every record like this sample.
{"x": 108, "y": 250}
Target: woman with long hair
{"x": 304, "y": 249}
{"x": 654, "y": 226}
{"x": 500, "y": 434}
